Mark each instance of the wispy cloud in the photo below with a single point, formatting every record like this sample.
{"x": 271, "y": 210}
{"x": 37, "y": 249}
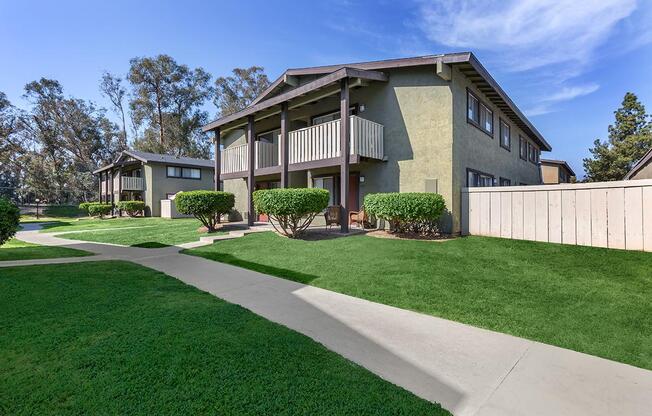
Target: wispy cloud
{"x": 548, "y": 103}
{"x": 527, "y": 34}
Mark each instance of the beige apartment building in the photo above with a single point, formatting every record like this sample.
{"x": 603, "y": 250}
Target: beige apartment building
{"x": 556, "y": 171}
{"x": 434, "y": 123}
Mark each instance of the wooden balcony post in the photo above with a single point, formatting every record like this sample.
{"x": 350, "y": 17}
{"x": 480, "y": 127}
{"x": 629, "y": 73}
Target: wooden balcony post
{"x": 251, "y": 180}
{"x": 110, "y": 173}
{"x": 284, "y": 145}
{"x": 218, "y": 163}
{"x": 100, "y": 188}
{"x": 345, "y": 140}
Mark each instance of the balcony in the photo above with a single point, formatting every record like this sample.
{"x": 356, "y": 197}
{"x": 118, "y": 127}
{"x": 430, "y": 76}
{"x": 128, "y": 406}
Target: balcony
{"x": 132, "y": 183}
{"x": 310, "y": 144}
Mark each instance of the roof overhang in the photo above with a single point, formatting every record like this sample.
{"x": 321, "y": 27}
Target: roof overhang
{"x": 310, "y": 92}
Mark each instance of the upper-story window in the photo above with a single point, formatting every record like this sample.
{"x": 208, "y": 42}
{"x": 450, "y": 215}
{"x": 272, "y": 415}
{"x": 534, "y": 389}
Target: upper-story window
{"x": 478, "y": 114}
{"x": 522, "y": 147}
{"x": 505, "y": 182}
{"x": 183, "y": 172}
{"x": 505, "y": 135}
{"x": 532, "y": 153}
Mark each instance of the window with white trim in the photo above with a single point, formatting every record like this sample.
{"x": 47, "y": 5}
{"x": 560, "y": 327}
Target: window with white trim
{"x": 183, "y": 172}
{"x": 475, "y": 179}
{"x": 505, "y": 135}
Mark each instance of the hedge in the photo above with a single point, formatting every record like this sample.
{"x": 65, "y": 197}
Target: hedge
{"x": 407, "y": 212}
{"x": 206, "y": 206}
{"x": 293, "y": 209}
{"x": 132, "y": 208}
{"x": 99, "y": 209}
{"x": 9, "y": 219}
{"x": 84, "y": 206}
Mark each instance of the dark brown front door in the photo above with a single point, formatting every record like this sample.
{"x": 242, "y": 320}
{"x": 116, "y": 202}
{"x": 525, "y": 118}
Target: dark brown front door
{"x": 354, "y": 194}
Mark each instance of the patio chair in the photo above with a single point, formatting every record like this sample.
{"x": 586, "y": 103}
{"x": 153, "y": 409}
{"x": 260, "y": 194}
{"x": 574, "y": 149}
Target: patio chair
{"x": 359, "y": 217}
{"x": 332, "y": 215}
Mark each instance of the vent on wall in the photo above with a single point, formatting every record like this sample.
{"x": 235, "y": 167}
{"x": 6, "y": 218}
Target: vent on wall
{"x": 430, "y": 185}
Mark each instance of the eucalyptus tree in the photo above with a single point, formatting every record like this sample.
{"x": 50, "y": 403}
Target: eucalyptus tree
{"x": 235, "y": 92}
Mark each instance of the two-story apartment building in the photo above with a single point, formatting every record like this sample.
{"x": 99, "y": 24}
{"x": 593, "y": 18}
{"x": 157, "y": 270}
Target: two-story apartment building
{"x": 435, "y": 123}
{"x": 151, "y": 177}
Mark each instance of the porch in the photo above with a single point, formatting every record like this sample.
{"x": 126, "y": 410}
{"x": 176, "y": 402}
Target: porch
{"x": 303, "y": 139}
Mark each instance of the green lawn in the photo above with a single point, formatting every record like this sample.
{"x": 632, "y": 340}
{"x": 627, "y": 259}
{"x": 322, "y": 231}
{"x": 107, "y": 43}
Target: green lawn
{"x": 136, "y": 232}
{"x": 592, "y": 300}
{"x": 117, "y": 338}
{"x": 20, "y": 250}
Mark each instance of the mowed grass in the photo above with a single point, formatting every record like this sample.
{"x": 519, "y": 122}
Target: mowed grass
{"x": 118, "y": 338}
{"x": 20, "y": 250}
{"x": 135, "y": 232}
{"x": 592, "y": 300}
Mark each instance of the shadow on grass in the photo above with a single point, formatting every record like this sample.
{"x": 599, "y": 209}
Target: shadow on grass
{"x": 261, "y": 268}
{"x": 150, "y": 244}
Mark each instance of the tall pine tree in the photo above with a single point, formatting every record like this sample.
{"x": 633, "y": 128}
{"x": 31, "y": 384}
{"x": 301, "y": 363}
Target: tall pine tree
{"x": 629, "y": 138}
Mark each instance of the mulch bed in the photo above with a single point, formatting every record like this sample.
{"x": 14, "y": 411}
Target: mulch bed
{"x": 410, "y": 236}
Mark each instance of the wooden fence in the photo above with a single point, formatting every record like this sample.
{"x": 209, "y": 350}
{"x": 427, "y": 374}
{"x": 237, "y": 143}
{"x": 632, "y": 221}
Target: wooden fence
{"x": 602, "y": 214}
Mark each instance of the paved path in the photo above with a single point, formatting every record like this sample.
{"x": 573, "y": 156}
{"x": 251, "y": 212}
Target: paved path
{"x": 470, "y": 371}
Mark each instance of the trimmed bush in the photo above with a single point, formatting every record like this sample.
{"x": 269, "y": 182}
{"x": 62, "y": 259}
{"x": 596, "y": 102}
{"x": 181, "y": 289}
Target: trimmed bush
{"x": 99, "y": 209}
{"x": 206, "y": 206}
{"x": 293, "y": 209}
{"x": 132, "y": 208}
{"x": 84, "y": 207}
{"x": 416, "y": 212}
{"x": 9, "y": 219}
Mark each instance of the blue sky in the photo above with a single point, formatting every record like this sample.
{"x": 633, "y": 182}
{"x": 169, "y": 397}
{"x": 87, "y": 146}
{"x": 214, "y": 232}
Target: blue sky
{"x": 566, "y": 63}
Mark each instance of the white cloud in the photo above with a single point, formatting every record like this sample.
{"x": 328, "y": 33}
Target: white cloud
{"x": 527, "y": 34}
{"x": 547, "y": 104}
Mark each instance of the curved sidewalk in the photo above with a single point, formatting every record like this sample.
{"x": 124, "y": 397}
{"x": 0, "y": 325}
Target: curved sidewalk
{"x": 470, "y": 371}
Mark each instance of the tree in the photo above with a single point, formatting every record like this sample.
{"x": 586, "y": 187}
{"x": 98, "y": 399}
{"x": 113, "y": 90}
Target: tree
{"x": 166, "y": 106}
{"x": 236, "y": 92}
{"x": 12, "y": 147}
{"x": 70, "y": 138}
{"x": 629, "y": 138}
{"x": 111, "y": 86}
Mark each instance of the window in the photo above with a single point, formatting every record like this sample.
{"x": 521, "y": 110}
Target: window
{"x": 473, "y": 108}
{"x": 522, "y": 147}
{"x": 328, "y": 183}
{"x": 475, "y": 178}
{"x": 487, "y": 119}
{"x": 505, "y": 136}
{"x": 532, "y": 152}
{"x": 505, "y": 182}
{"x": 335, "y": 115}
{"x": 562, "y": 176}
{"x": 185, "y": 173}
{"x": 478, "y": 114}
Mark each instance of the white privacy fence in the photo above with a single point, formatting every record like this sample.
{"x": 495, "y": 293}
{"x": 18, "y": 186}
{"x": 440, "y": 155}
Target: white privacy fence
{"x": 601, "y": 214}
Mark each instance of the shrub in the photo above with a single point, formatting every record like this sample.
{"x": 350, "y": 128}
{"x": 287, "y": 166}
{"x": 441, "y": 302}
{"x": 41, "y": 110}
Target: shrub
{"x": 99, "y": 209}
{"x": 206, "y": 206}
{"x": 70, "y": 211}
{"x": 416, "y": 212}
{"x": 132, "y": 208}
{"x": 9, "y": 219}
{"x": 293, "y": 209}
{"x": 84, "y": 207}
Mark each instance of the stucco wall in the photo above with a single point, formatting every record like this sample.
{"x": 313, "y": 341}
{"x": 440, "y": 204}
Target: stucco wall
{"x": 158, "y": 185}
{"x": 644, "y": 173}
{"x": 550, "y": 174}
{"x": 475, "y": 149}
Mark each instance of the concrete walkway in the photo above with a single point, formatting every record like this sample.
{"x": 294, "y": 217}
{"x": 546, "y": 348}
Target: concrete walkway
{"x": 470, "y": 371}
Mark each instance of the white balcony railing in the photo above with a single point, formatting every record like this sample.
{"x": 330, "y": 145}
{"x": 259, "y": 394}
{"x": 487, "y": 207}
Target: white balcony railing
{"x": 132, "y": 183}
{"x": 310, "y": 144}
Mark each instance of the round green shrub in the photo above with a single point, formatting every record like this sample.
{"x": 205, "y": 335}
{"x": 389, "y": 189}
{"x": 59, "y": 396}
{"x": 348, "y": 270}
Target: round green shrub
{"x": 407, "y": 212}
{"x": 132, "y": 208}
{"x": 293, "y": 209}
{"x": 206, "y": 206}
{"x": 9, "y": 219}
{"x": 84, "y": 206}
{"x": 99, "y": 209}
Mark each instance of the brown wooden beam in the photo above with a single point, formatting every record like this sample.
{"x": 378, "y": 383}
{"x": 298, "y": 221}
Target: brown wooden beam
{"x": 251, "y": 179}
{"x": 284, "y": 145}
{"x": 218, "y": 163}
{"x": 345, "y": 142}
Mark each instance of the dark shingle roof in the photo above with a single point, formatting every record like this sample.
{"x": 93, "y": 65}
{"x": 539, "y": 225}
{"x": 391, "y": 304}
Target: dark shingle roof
{"x": 160, "y": 158}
